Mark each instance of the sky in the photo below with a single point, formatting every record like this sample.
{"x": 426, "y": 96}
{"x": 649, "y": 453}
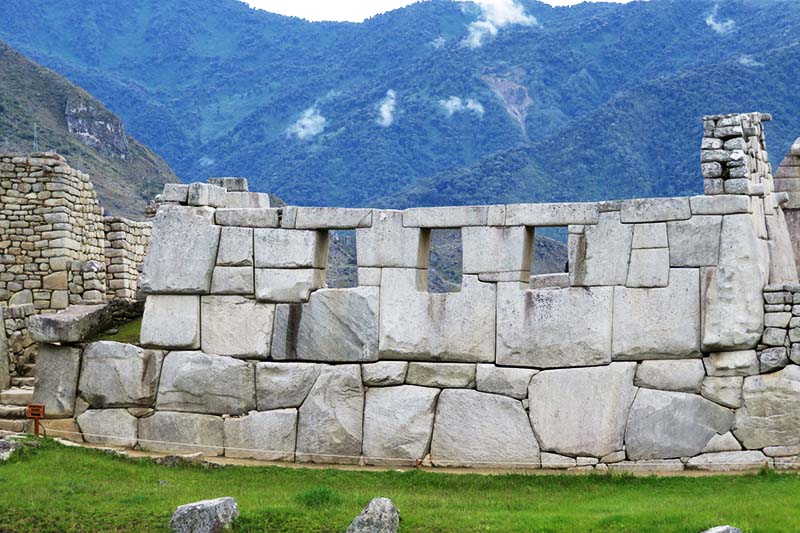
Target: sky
{"x": 357, "y": 10}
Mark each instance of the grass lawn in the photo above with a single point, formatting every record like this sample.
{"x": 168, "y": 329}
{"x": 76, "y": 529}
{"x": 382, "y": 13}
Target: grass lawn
{"x": 127, "y": 333}
{"x": 57, "y": 488}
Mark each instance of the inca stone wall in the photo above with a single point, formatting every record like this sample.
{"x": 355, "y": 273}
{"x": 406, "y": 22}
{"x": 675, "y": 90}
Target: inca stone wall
{"x": 667, "y": 345}
{"x": 54, "y": 247}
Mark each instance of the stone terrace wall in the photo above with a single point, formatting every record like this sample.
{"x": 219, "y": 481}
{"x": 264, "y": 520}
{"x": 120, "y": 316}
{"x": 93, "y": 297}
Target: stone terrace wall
{"x": 651, "y": 352}
{"x": 126, "y": 247}
{"x": 53, "y": 247}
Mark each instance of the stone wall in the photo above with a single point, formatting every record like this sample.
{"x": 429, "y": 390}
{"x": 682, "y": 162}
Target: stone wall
{"x": 53, "y": 248}
{"x": 656, "y": 350}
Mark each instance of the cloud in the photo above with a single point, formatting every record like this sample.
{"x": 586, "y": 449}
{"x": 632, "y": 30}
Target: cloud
{"x": 496, "y": 14}
{"x": 721, "y": 27}
{"x": 387, "y": 107}
{"x": 748, "y": 61}
{"x": 206, "y": 161}
{"x": 310, "y": 124}
{"x": 438, "y": 42}
{"x": 455, "y": 104}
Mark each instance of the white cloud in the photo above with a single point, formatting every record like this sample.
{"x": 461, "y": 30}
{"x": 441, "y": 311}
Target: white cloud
{"x": 438, "y": 42}
{"x": 749, "y": 61}
{"x": 721, "y": 27}
{"x": 455, "y": 104}
{"x": 206, "y": 161}
{"x": 496, "y": 14}
{"x": 387, "y": 107}
{"x": 310, "y": 124}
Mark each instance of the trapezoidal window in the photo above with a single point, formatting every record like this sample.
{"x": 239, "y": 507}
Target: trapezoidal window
{"x": 445, "y": 261}
{"x": 342, "y": 270}
{"x": 550, "y": 262}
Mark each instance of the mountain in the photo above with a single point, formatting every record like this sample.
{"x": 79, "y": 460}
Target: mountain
{"x": 37, "y": 106}
{"x": 591, "y": 101}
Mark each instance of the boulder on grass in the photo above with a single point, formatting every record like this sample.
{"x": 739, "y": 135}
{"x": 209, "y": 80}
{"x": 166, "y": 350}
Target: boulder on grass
{"x": 206, "y": 516}
{"x": 379, "y": 516}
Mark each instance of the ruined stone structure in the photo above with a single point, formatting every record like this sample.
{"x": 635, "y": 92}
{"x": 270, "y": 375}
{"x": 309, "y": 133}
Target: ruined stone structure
{"x": 672, "y": 342}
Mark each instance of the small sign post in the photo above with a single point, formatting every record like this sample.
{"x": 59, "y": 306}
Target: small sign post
{"x": 36, "y": 412}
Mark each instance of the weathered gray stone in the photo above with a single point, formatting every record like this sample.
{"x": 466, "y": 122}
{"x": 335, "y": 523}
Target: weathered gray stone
{"x": 496, "y": 249}
{"x": 728, "y": 461}
{"x": 582, "y": 411}
{"x": 5, "y": 376}
{"x": 395, "y": 435}
{"x": 207, "y": 516}
{"x": 247, "y": 200}
{"x": 661, "y": 323}
{"x": 651, "y": 466}
{"x": 390, "y": 244}
{"x": 782, "y": 265}
{"x": 119, "y": 375}
{"x": 740, "y": 363}
{"x": 781, "y": 451}
{"x": 230, "y": 183}
{"x": 287, "y": 285}
{"x": 561, "y": 214}
{"x": 602, "y": 253}
{"x": 442, "y": 375}
{"x": 283, "y": 248}
{"x": 182, "y": 236}
{"x": 506, "y": 381}
{"x": 57, "y": 369}
{"x": 384, "y": 373}
{"x": 724, "y": 391}
{"x": 771, "y": 412}
{"x": 203, "y": 383}
{"x": 332, "y": 218}
{"x": 553, "y": 461}
{"x": 369, "y": 276}
{"x": 774, "y": 336}
{"x": 666, "y": 425}
{"x": 553, "y": 328}
{"x": 478, "y": 429}
{"x": 648, "y": 268}
{"x": 329, "y": 428}
{"x": 175, "y": 192}
{"x": 650, "y": 235}
{"x": 723, "y": 529}
{"x": 722, "y": 443}
{"x": 734, "y": 310}
{"x": 280, "y": 385}
{"x": 694, "y": 242}
{"x": 202, "y": 194}
{"x": 265, "y": 435}
{"x": 773, "y": 359}
{"x": 654, "y": 210}
{"x": 337, "y": 325}
{"x": 379, "y": 516}
{"x": 233, "y": 280}
{"x": 720, "y": 204}
{"x": 777, "y": 320}
{"x": 76, "y": 324}
{"x": 415, "y": 325}
{"x": 445, "y": 217}
{"x": 171, "y": 321}
{"x": 235, "y": 247}
{"x": 248, "y": 217}
{"x": 548, "y": 281}
{"x": 169, "y": 432}
{"x": 236, "y": 326}
{"x": 110, "y": 427}
{"x": 680, "y": 376}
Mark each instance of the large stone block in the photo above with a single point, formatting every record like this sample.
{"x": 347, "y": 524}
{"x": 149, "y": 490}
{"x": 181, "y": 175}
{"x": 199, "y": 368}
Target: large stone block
{"x": 724, "y": 391}
{"x": 655, "y": 210}
{"x": 330, "y": 423}
{"x": 168, "y": 432}
{"x": 582, "y": 411}
{"x": 659, "y": 323}
{"x": 182, "y": 252}
{"x": 336, "y": 325}
{"x": 602, "y": 253}
{"x": 771, "y": 412}
{"x": 236, "y": 326}
{"x": 506, "y": 381}
{"x": 739, "y": 363}
{"x": 694, "y": 242}
{"x": 395, "y": 435}
{"x": 287, "y": 285}
{"x": 119, "y": 375}
{"x": 650, "y": 235}
{"x": 109, "y": 427}
{"x": 280, "y": 385}
{"x": 76, "y": 324}
{"x": 57, "y": 369}
{"x": 782, "y": 265}
{"x": 416, "y": 325}
{"x": 493, "y": 249}
{"x": 235, "y": 247}
{"x": 390, "y": 244}
{"x": 332, "y": 218}
{"x": 481, "y": 430}
{"x": 5, "y": 376}
{"x": 171, "y": 321}
{"x": 442, "y": 375}
{"x": 561, "y": 214}
{"x": 248, "y": 217}
{"x": 733, "y": 303}
{"x": 553, "y": 328}
{"x": 729, "y": 461}
{"x": 202, "y": 383}
{"x": 680, "y": 376}
{"x": 384, "y": 373}
{"x": 446, "y": 217}
{"x": 649, "y": 267}
{"x": 666, "y": 425}
{"x": 267, "y": 435}
{"x": 233, "y": 280}
{"x": 720, "y": 204}
{"x": 288, "y": 248}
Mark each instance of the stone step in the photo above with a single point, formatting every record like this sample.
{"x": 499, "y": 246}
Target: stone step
{"x": 16, "y": 396}
{"x": 17, "y": 426}
{"x": 23, "y": 382}
{"x": 13, "y": 411}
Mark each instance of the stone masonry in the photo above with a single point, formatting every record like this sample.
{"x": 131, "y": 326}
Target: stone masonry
{"x": 671, "y": 343}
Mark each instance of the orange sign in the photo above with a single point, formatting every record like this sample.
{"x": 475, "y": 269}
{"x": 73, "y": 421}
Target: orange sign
{"x": 36, "y": 411}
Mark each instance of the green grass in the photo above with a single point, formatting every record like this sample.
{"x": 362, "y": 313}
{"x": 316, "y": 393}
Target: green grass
{"x": 57, "y": 488}
{"x": 127, "y": 333}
